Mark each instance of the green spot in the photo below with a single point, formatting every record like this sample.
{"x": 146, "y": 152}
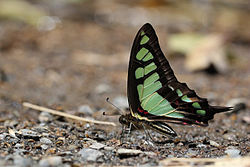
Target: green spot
{"x": 196, "y": 105}
{"x": 171, "y": 87}
{"x": 162, "y": 108}
{"x": 157, "y": 105}
{"x": 144, "y": 39}
{"x": 151, "y": 79}
{"x": 148, "y": 57}
{"x": 139, "y": 73}
{"x": 162, "y": 111}
{"x": 141, "y": 53}
{"x": 139, "y": 90}
{"x": 151, "y": 101}
{"x": 151, "y": 89}
{"x": 176, "y": 115}
{"x": 186, "y": 99}
{"x": 149, "y": 68}
{"x": 201, "y": 112}
{"x": 142, "y": 33}
{"x": 178, "y": 91}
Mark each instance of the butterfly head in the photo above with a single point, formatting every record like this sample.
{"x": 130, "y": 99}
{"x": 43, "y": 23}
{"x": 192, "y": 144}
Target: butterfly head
{"x": 125, "y": 119}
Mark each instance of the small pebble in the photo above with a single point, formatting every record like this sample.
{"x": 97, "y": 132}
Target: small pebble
{"x": 180, "y": 144}
{"x": 108, "y": 148}
{"x": 246, "y": 119}
{"x": 97, "y": 146}
{"x": 213, "y": 143}
{"x": 2, "y": 136}
{"x": 45, "y": 117}
{"x": 88, "y": 154}
{"x": 12, "y": 133}
{"x": 44, "y": 146}
{"x": 29, "y": 134}
{"x": 72, "y": 147}
{"x": 201, "y": 146}
{"x": 170, "y": 156}
{"x": 86, "y": 126}
{"x": 191, "y": 153}
{"x": 45, "y": 134}
{"x": 124, "y": 151}
{"x": 61, "y": 138}
{"x": 42, "y": 128}
{"x": 14, "y": 140}
{"x": 85, "y": 109}
{"x": 51, "y": 161}
{"x": 98, "y": 135}
{"x": 65, "y": 153}
{"x": 229, "y": 136}
{"x": 45, "y": 140}
{"x": 18, "y": 145}
{"x": 232, "y": 152}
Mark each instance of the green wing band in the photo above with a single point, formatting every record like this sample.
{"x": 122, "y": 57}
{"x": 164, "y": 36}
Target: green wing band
{"x": 141, "y": 53}
{"x": 144, "y": 39}
{"x": 148, "y": 57}
{"x": 139, "y": 72}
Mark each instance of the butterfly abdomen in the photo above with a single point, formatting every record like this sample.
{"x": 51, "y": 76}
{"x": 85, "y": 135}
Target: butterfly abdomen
{"x": 162, "y": 128}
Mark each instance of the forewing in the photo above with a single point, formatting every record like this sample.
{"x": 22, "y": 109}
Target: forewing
{"x": 147, "y": 66}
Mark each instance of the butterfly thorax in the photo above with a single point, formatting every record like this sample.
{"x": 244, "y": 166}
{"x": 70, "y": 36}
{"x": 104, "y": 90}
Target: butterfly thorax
{"x": 127, "y": 119}
{"x": 124, "y": 119}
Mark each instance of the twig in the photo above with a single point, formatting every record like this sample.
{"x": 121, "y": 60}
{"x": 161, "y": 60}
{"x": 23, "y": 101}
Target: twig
{"x": 55, "y": 112}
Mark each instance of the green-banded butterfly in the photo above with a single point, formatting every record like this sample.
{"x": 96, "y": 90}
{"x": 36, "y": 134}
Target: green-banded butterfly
{"x": 155, "y": 95}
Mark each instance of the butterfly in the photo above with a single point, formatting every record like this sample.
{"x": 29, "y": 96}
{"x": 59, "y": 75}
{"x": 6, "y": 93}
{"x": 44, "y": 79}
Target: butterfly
{"x": 155, "y": 95}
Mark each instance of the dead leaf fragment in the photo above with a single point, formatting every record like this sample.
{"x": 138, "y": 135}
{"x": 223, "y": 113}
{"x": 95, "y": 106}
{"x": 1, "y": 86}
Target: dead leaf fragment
{"x": 210, "y": 51}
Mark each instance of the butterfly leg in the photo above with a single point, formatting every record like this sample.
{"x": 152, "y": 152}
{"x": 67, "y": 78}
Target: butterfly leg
{"x": 126, "y": 130}
{"x": 121, "y": 135}
{"x": 148, "y": 136}
{"x": 129, "y": 129}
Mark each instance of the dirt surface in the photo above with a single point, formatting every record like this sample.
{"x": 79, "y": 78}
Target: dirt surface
{"x": 74, "y": 68}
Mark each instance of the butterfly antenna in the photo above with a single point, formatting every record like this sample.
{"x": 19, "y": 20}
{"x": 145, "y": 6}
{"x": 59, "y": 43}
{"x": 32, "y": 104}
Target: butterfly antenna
{"x": 106, "y": 114}
{"x": 117, "y": 108}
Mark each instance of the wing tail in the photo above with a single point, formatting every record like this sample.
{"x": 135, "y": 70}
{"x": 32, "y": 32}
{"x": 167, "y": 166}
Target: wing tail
{"x": 219, "y": 109}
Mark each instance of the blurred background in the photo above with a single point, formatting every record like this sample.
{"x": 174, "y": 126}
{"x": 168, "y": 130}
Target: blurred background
{"x": 75, "y": 53}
